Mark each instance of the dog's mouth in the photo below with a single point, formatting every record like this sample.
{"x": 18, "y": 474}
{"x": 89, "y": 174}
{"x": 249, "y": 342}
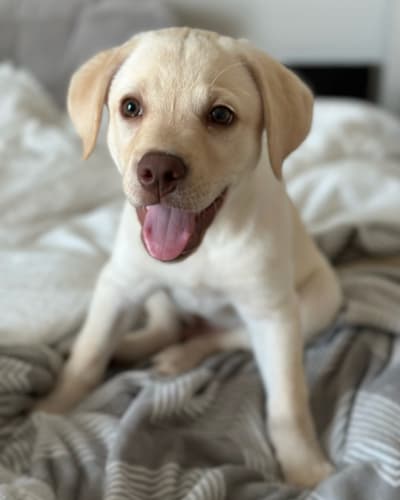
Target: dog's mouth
{"x": 170, "y": 234}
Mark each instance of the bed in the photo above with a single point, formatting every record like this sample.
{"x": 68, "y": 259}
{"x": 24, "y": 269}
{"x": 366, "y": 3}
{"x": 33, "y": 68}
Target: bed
{"x": 200, "y": 436}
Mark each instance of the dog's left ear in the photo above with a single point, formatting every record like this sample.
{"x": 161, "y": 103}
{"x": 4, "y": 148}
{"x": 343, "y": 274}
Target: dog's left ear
{"x": 287, "y": 104}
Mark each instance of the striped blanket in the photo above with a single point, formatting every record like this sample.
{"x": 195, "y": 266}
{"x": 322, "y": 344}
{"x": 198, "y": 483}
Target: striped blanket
{"x": 201, "y": 436}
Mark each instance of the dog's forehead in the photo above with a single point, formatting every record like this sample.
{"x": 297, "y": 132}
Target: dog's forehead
{"x": 180, "y": 60}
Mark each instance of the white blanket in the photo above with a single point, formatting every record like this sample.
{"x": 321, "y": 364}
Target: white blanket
{"x": 347, "y": 173}
{"x": 58, "y": 214}
{"x": 57, "y": 218}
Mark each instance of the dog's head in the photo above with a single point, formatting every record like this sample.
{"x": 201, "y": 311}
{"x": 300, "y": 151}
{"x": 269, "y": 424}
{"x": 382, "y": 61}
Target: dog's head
{"x": 187, "y": 110}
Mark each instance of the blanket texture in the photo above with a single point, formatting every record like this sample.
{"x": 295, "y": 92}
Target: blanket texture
{"x": 200, "y": 436}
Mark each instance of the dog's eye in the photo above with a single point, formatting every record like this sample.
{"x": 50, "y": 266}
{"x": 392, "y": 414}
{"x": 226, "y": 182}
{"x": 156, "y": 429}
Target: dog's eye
{"x": 131, "y": 108}
{"x": 221, "y": 115}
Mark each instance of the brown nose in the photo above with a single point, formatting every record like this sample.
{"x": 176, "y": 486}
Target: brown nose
{"x": 160, "y": 173}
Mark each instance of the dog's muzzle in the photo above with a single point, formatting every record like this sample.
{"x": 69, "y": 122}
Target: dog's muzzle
{"x": 169, "y": 233}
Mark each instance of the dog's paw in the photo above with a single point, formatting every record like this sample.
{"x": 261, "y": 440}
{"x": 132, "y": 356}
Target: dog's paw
{"x": 307, "y": 475}
{"x": 51, "y": 404}
{"x": 300, "y": 456}
{"x": 174, "y": 360}
{"x": 68, "y": 392}
{"x": 60, "y": 400}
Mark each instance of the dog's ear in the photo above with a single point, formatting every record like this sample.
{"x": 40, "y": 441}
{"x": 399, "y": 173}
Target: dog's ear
{"x": 88, "y": 90}
{"x": 287, "y": 104}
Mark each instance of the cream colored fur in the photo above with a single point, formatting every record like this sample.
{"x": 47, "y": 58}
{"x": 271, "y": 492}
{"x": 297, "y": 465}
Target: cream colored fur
{"x": 257, "y": 276}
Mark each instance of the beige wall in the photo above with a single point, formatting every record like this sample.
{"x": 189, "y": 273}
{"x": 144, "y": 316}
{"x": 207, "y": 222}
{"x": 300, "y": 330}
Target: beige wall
{"x": 311, "y": 31}
{"x": 390, "y": 82}
{"x": 326, "y": 30}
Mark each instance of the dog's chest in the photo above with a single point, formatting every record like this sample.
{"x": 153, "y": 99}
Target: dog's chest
{"x": 205, "y": 302}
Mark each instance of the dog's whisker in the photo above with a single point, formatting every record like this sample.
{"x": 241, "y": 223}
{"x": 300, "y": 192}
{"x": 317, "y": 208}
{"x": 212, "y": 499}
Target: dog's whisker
{"x": 223, "y": 71}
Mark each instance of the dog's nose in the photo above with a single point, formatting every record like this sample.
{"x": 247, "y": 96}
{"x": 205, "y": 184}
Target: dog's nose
{"x": 160, "y": 173}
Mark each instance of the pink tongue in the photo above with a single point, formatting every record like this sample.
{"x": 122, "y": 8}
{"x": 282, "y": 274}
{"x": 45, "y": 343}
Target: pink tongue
{"x": 167, "y": 231}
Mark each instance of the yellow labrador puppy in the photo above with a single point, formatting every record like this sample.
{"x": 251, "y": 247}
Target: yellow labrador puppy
{"x": 199, "y": 125}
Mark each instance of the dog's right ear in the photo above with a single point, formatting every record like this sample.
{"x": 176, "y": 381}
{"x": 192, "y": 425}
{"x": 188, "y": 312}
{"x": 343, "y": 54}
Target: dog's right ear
{"x": 287, "y": 104}
{"x": 88, "y": 91}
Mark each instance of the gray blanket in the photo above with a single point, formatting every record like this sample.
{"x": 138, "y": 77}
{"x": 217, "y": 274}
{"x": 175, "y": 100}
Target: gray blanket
{"x": 201, "y": 436}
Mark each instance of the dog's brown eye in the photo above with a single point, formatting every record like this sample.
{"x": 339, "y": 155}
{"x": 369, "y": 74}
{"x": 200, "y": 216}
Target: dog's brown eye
{"x": 131, "y": 108}
{"x": 221, "y": 115}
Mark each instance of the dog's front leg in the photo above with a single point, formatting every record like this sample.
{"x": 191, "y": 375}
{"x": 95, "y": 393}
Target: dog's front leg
{"x": 113, "y": 309}
{"x": 278, "y": 348}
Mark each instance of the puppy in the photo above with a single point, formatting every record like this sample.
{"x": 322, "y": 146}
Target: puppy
{"x": 199, "y": 125}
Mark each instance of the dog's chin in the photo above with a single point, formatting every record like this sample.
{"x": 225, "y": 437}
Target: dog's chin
{"x": 171, "y": 234}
